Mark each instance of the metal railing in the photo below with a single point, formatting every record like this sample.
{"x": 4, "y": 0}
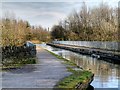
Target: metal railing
{"x": 93, "y": 44}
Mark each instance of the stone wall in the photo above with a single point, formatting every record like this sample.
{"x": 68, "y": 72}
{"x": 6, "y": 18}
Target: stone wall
{"x": 84, "y": 85}
{"x": 18, "y": 51}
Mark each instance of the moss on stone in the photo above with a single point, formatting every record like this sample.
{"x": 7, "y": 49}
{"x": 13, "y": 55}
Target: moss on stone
{"x": 72, "y": 80}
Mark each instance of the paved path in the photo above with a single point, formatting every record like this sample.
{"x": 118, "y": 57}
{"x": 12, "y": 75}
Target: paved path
{"x": 45, "y": 74}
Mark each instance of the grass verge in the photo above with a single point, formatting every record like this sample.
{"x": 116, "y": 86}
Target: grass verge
{"x": 74, "y": 79}
{"x": 78, "y": 75}
{"x": 14, "y": 62}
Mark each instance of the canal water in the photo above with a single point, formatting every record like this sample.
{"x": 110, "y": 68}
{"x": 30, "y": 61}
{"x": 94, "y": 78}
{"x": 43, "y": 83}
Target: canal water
{"x": 107, "y": 75}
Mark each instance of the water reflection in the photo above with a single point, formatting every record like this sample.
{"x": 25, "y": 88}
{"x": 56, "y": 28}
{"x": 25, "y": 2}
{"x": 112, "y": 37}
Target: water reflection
{"x": 107, "y": 75}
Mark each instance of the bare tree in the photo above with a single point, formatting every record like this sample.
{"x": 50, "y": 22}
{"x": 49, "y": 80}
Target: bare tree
{"x": 99, "y": 23}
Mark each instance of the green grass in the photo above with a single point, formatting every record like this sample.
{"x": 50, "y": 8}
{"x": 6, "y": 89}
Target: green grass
{"x": 14, "y": 62}
{"x": 67, "y": 62}
{"x": 72, "y": 80}
{"x": 77, "y": 76}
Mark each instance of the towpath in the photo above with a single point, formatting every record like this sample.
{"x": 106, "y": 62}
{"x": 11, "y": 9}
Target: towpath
{"x": 45, "y": 74}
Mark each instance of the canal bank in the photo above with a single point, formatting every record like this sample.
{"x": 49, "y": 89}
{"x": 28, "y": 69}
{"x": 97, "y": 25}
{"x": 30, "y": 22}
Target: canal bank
{"x": 106, "y": 74}
{"x": 48, "y": 71}
{"x": 107, "y": 55}
{"x": 79, "y": 79}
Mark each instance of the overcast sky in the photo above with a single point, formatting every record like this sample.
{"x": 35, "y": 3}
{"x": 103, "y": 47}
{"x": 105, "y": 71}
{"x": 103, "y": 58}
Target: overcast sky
{"x": 46, "y": 13}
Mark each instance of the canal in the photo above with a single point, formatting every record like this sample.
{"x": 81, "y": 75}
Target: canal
{"x": 107, "y": 75}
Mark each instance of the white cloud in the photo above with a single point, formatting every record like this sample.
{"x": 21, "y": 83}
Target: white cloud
{"x": 46, "y": 13}
{"x": 55, "y": 14}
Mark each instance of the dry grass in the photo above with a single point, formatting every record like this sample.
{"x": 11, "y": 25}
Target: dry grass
{"x": 36, "y": 41}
